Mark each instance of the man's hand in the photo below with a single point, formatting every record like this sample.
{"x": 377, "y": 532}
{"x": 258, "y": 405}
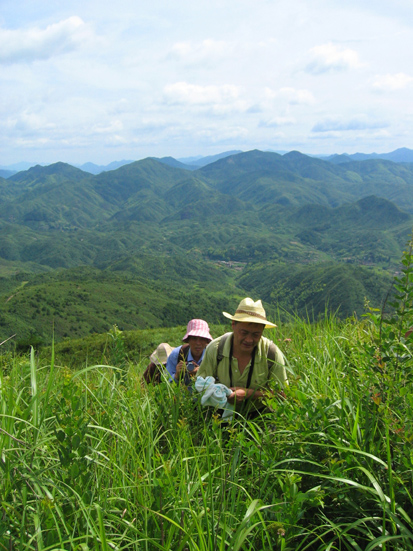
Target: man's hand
{"x": 180, "y": 370}
{"x": 194, "y": 372}
{"x": 240, "y": 394}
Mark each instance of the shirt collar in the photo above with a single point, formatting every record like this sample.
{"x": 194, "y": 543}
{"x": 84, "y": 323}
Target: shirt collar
{"x": 191, "y": 359}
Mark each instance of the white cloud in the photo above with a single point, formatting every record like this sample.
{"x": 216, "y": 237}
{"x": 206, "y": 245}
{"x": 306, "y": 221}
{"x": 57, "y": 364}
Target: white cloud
{"x": 153, "y": 75}
{"x": 120, "y": 107}
{"x": 290, "y": 95}
{"x": 328, "y": 58}
{"x": 110, "y": 128}
{"x": 222, "y": 135}
{"x": 27, "y": 45}
{"x": 297, "y": 97}
{"x": 276, "y": 122}
{"x": 27, "y": 123}
{"x": 384, "y": 83}
{"x": 356, "y": 123}
{"x": 183, "y": 93}
{"x": 196, "y": 52}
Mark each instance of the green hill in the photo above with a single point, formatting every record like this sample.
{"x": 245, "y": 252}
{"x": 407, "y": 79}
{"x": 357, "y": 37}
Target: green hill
{"x": 117, "y": 186}
{"x": 54, "y": 173}
{"x": 134, "y": 293}
{"x": 56, "y": 197}
{"x": 297, "y": 179}
{"x": 167, "y": 232}
{"x": 310, "y": 291}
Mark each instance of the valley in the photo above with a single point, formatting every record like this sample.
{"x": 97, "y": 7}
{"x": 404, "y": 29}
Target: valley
{"x": 151, "y": 244}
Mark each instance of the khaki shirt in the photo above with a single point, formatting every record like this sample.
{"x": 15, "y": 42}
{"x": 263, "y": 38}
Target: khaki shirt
{"x": 261, "y": 376}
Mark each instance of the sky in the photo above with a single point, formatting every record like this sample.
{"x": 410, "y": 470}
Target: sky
{"x": 98, "y": 81}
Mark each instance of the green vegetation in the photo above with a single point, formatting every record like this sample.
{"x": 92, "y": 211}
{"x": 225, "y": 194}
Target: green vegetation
{"x": 92, "y": 459}
{"x": 145, "y": 245}
{"x": 136, "y": 346}
{"x": 145, "y": 293}
{"x": 310, "y": 290}
{"x": 95, "y": 271}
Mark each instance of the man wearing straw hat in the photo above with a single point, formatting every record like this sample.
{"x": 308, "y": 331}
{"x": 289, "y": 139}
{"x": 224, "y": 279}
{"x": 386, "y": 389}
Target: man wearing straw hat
{"x": 246, "y": 362}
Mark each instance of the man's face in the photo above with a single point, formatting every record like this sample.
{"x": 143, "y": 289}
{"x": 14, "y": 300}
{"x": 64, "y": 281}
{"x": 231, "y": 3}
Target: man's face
{"x": 197, "y": 345}
{"x": 246, "y": 335}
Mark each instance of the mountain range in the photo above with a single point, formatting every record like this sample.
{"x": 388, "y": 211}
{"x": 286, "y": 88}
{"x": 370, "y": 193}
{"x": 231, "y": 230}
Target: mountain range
{"x": 401, "y": 155}
{"x": 297, "y": 231}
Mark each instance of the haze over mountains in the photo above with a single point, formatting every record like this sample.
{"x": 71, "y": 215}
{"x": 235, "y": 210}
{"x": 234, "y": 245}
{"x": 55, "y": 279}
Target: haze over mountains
{"x": 401, "y": 155}
{"x": 298, "y": 231}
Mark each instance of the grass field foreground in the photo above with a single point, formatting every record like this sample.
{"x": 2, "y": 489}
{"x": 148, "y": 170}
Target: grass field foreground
{"x": 93, "y": 459}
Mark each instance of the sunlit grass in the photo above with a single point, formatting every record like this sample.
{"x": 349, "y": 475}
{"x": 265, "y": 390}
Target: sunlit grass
{"x": 94, "y": 459}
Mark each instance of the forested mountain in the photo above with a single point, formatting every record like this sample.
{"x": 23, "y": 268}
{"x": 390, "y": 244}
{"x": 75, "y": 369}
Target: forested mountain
{"x": 296, "y": 179}
{"x": 203, "y": 161}
{"x": 6, "y": 173}
{"x": 161, "y": 228}
{"x": 97, "y": 169}
{"x": 311, "y": 289}
{"x": 402, "y": 155}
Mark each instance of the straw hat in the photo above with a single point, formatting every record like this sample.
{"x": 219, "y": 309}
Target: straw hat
{"x": 197, "y": 328}
{"x": 249, "y": 311}
{"x": 160, "y": 355}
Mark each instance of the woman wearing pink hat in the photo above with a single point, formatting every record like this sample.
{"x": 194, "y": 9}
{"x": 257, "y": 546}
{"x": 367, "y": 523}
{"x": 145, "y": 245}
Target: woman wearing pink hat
{"x": 184, "y": 361}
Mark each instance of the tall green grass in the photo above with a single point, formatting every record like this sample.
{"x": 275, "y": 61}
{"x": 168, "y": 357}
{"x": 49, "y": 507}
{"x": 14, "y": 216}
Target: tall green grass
{"x": 91, "y": 460}
{"x": 94, "y": 459}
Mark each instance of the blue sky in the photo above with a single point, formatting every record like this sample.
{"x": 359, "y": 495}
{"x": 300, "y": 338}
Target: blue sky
{"x": 102, "y": 81}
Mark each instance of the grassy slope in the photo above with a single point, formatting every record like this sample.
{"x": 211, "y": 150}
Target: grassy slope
{"x": 94, "y": 459}
{"x": 147, "y": 292}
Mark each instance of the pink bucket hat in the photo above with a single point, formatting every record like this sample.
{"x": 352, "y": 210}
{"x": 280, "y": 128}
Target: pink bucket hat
{"x": 197, "y": 328}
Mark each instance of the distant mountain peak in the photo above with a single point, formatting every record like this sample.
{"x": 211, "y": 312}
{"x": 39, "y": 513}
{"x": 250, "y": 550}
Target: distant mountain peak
{"x": 62, "y": 171}
{"x": 199, "y": 162}
{"x": 92, "y": 168}
{"x": 293, "y": 155}
{"x": 55, "y": 168}
{"x": 171, "y": 161}
{"x": 401, "y": 155}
